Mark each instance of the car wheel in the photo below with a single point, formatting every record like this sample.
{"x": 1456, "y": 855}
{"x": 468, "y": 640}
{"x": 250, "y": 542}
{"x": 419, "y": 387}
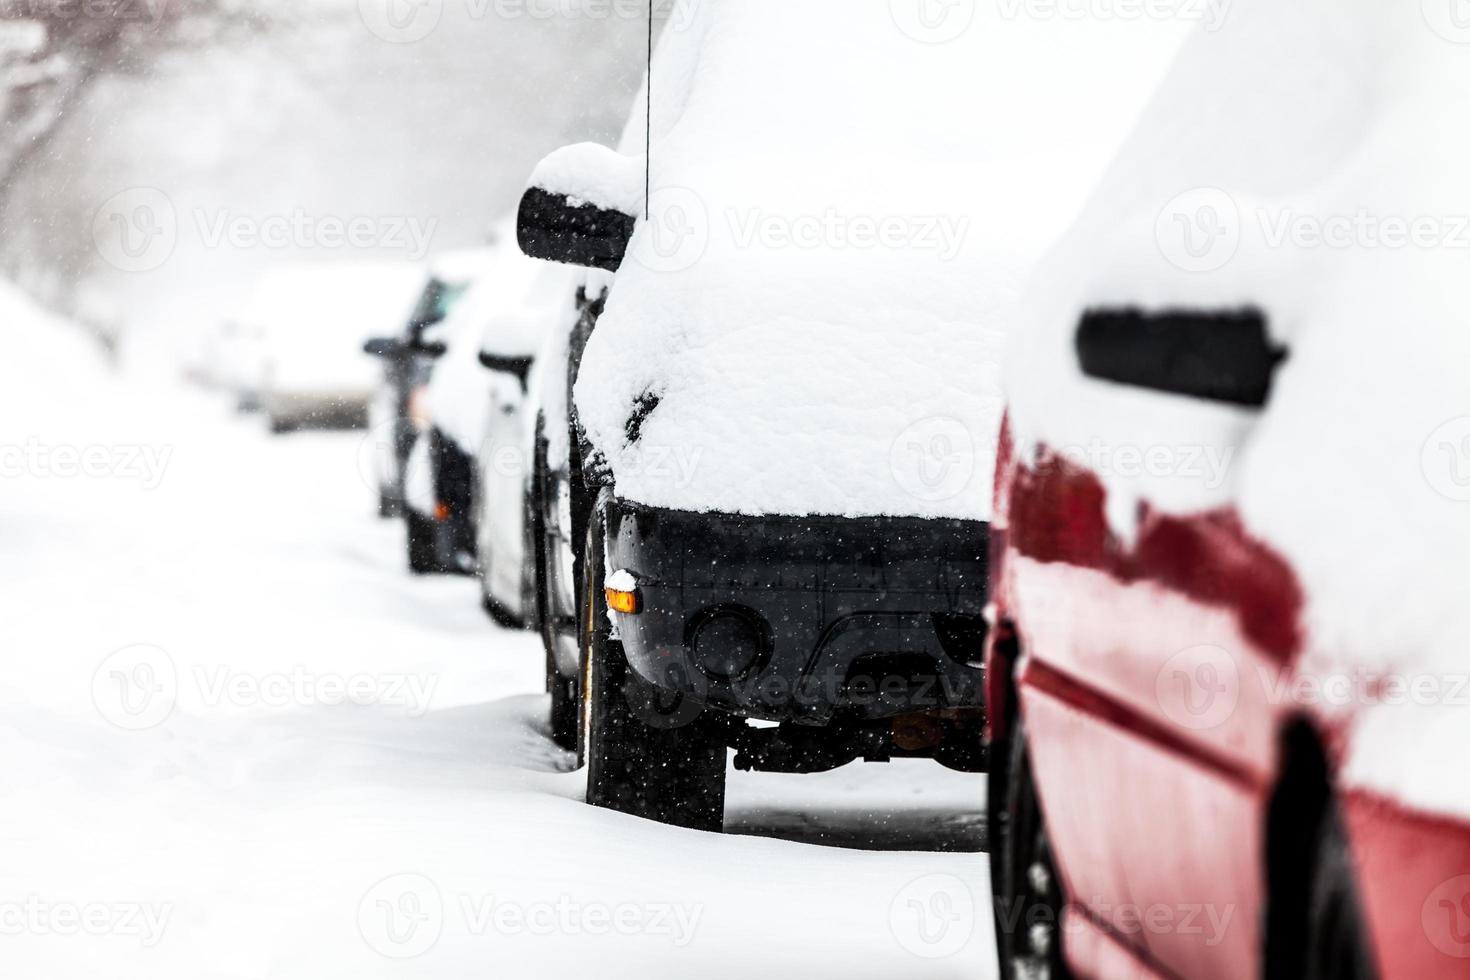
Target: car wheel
{"x": 565, "y": 708}
{"x": 423, "y": 553}
{"x": 659, "y": 766}
{"x": 498, "y": 613}
{"x": 387, "y": 505}
{"x": 1027, "y": 891}
{"x": 279, "y": 425}
{"x": 1334, "y": 939}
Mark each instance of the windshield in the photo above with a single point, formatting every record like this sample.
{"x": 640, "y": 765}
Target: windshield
{"x": 434, "y": 305}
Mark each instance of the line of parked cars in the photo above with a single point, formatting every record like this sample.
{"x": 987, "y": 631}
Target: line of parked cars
{"x": 928, "y": 403}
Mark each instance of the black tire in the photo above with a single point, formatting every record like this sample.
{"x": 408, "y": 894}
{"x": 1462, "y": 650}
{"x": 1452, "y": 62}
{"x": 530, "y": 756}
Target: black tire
{"x": 498, "y": 613}
{"x": 280, "y": 426}
{"x": 1334, "y": 941}
{"x": 642, "y": 759}
{"x": 387, "y": 505}
{"x": 566, "y": 699}
{"x": 1026, "y": 890}
{"x": 566, "y": 710}
{"x": 423, "y": 554}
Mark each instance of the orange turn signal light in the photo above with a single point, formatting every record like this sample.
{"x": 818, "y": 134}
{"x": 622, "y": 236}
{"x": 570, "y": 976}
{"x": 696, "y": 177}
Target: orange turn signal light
{"x": 441, "y": 511}
{"x": 623, "y": 602}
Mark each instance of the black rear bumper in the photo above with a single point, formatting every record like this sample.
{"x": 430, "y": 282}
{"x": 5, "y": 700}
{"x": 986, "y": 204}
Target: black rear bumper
{"x": 804, "y": 619}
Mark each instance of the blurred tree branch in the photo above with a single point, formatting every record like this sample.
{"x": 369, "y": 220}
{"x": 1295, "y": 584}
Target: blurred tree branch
{"x": 51, "y": 49}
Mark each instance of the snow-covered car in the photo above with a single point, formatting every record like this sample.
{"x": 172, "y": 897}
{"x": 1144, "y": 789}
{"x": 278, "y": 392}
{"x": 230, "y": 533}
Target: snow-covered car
{"x": 556, "y": 488}
{"x": 407, "y": 353}
{"x": 785, "y": 415}
{"x": 1227, "y": 667}
{"x": 234, "y": 360}
{"x": 314, "y": 321}
{"x": 533, "y": 300}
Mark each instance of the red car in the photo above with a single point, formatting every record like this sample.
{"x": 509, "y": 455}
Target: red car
{"x": 1228, "y": 669}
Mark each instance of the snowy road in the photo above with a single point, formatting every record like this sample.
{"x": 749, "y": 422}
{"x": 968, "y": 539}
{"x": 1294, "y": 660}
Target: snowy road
{"x": 191, "y": 792}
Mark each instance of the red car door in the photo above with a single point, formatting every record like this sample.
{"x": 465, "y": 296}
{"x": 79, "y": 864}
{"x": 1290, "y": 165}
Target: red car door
{"x": 1152, "y": 652}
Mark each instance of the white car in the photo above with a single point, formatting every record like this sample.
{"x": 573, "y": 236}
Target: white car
{"x": 533, "y": 299}
{"x": 234, "y": 361}
{"x": 397, "y": 414}
{"x": 315, "y": 320}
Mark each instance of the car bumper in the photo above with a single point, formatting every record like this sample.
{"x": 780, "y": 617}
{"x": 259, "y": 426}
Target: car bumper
{"x": 804, "y": 619}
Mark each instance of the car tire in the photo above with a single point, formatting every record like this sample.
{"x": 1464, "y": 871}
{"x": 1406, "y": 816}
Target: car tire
{"x": 499, "y": 615}
{"x": 280, "y": 425}
{"x": 1027, "y": 892}
{"x": 665, "y": 768}
{"x": 1334, "y": 946}
{"x": 387, "y": 505}
{"x": 566, "y": 709}
{"x": 423, "y": 552}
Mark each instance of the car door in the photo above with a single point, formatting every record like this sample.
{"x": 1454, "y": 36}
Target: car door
{"x": 1154, "y": 629}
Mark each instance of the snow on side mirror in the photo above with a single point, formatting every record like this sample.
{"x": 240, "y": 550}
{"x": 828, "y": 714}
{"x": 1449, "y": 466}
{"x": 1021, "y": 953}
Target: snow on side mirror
{"x": 579, "y": 208}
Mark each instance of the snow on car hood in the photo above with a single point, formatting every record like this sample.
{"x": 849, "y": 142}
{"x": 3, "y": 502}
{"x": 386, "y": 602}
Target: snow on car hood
{"x": 1324, "y": 185}
{"x": 842, "y": 215}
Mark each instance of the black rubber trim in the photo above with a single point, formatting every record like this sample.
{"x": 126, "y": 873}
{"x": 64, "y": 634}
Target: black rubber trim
{"x": 1218, "y": 355}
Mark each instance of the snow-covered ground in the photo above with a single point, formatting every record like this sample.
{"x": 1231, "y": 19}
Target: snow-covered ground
{"x": 239, "y": 741}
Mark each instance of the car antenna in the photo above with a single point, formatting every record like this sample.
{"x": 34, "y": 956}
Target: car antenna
{"x": 648, "y": 120}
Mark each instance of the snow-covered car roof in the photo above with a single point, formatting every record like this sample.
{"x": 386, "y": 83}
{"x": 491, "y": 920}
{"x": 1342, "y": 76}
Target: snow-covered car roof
{"x": 842, "y": 216}
{"x": 1306, "y": 161}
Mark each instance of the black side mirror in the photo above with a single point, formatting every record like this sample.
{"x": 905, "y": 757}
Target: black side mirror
{"x": 550, "y": 226}
{"x": 518, "y": 367}
{"x": 430, "y": 348}
{"x": 1219, "y": 355}
{"x": 383, "y": 347}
